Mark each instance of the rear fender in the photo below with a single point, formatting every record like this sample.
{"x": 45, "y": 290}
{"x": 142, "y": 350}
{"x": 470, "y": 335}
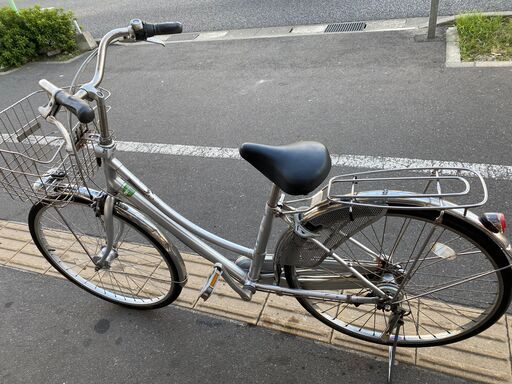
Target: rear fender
{"x": 404, "y": 198}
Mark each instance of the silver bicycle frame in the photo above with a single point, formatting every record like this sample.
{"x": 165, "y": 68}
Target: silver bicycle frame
{"x": 125, "y": 185}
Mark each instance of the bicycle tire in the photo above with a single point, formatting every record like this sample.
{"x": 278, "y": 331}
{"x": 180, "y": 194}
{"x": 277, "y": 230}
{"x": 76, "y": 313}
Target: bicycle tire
{"x": 127, "y": 283}
{"x": 423, "y": 332}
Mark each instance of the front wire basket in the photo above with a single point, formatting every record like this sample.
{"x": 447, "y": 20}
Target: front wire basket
{"x": 35, "y": 162}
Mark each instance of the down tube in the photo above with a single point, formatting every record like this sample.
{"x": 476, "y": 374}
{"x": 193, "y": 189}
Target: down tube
{"x": 185, "y": 236}
{"x": 159, "y": 204}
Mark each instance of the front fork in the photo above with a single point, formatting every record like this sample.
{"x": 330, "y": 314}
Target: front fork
{"x": 108, "y": 251}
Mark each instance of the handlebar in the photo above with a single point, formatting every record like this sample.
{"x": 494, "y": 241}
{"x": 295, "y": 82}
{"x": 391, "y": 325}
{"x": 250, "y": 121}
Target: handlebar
{"x": 79, "y": 108}
{"x": 137, "y": 31}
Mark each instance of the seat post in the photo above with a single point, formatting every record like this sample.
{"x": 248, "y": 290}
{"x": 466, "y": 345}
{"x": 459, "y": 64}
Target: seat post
{"x": 260, "y": 249}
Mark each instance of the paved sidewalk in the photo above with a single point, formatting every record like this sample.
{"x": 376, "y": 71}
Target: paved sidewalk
{"x": 54, "y": 333}
{"x": 484, "y": 358}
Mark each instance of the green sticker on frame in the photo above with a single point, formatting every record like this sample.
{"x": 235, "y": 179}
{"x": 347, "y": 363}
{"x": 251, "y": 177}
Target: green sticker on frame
{"x": 127, "y": 190}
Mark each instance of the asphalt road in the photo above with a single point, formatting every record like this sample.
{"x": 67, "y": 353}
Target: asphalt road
{"x": 54, "y": 333}
{"x": 100, "y": 16}
{"x": 361, "y": 94}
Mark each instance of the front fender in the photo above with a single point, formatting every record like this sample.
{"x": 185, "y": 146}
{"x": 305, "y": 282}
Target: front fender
{"x": 132, "y": 214}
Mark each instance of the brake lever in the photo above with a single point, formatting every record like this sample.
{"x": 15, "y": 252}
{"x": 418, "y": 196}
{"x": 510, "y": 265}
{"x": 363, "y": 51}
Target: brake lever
{"x": 155, "y": 40}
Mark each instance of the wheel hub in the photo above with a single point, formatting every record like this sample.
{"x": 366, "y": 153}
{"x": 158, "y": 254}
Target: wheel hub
{"x": 107, "y": 262}
{"x": 390, "y": 288}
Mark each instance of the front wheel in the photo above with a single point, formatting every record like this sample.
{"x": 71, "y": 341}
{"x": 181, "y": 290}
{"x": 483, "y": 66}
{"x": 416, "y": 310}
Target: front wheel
{"x": 459, "y": 286}
{"x": 139, "y": 272}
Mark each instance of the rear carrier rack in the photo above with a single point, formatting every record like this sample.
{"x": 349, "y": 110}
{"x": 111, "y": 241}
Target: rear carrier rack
{"x": 430, "y": 188}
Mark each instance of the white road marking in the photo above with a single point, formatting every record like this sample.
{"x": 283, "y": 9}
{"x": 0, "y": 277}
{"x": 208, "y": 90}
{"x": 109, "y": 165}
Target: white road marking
{"x": 488, "y": 171}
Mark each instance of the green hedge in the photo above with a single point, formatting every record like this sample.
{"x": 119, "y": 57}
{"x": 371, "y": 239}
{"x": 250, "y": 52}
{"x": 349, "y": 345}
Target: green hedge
{"x": 34, "y": 32}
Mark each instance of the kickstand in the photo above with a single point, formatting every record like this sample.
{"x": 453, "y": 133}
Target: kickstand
{"x": 392, "y": 348}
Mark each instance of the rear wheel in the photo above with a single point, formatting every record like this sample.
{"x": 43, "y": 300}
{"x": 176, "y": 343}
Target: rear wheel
{"x": 459, "y": 286}
{"x": 139, "y": 274}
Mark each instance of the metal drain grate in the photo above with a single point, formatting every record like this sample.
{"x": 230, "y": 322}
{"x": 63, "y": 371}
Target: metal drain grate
{"x": 346, "y": 27}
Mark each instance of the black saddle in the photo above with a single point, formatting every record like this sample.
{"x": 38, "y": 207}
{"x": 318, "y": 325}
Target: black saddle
{"x": 296, "y": 169}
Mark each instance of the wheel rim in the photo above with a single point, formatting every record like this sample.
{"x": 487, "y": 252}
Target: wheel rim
{"x": 436, "y": 318}
{"x": 71, "y": 236}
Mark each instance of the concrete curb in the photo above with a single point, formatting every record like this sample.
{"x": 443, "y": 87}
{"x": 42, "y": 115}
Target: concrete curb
{"x": 10, "y": 71}
{"x": 483, "y": 358}
{"x": 77, "y": 57}
{"x": 453, "y": 59}
{"x": 414, "y": 23}
{"x": 292, "y": 31}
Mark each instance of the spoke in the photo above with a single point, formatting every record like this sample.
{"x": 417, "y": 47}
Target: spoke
{"x": 430, "y": 250}
{"x": 403, "y": 229}
{"x": 358, "y": 262}
{"x": 99, "y": 277}
{"x": 347, "y": 304}
{"x": 412, "y": 317}
{"x": 453, "y": 284}
{"x": 328, "y": 309}
{"x": 125, "y": 233}
{"x": 415, "y": 245}
{"x": 454, "y": 277}
{"x": 54, "y": 220}
{"x": 383, "y": 234}
{"x": 429, "y": 331}
{"x": 74, "y": 234}
{"x": 369, "y": 241}
{"x": 131, "y": 265}
{"x": 126, "y": 276}
{"x": 377, "y": 238}
{"x": 112, "y": 284}
{"x": 372, "y": 313}
{"x": 150, "y": 278}
{"x": 359, "y": 317}
{"x": 468, "y": 253}
{"x": 420, "y": 267}
{"x": 437, "y": 312}
{"x": 156, "y": 287}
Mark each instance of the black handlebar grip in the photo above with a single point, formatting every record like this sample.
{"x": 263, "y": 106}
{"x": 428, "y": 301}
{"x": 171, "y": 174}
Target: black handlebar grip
{"x": 169, "y": 28}
{"x": 150, "y": 30}
{"x": 79, "y": 108}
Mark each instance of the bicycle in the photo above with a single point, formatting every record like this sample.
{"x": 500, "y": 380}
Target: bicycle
{"x": 382, "y": 264}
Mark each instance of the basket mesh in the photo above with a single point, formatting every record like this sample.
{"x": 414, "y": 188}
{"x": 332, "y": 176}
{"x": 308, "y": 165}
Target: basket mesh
{"x": 34, "y": 163}
{"x": 333, "y": 228}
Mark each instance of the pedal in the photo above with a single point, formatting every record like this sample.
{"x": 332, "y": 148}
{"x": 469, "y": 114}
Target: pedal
{"x": 211, "y": 282}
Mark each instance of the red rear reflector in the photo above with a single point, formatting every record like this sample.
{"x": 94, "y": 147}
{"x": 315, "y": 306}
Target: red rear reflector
{"x": 494, "y": 222}
{"x": 503, "y": 222}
